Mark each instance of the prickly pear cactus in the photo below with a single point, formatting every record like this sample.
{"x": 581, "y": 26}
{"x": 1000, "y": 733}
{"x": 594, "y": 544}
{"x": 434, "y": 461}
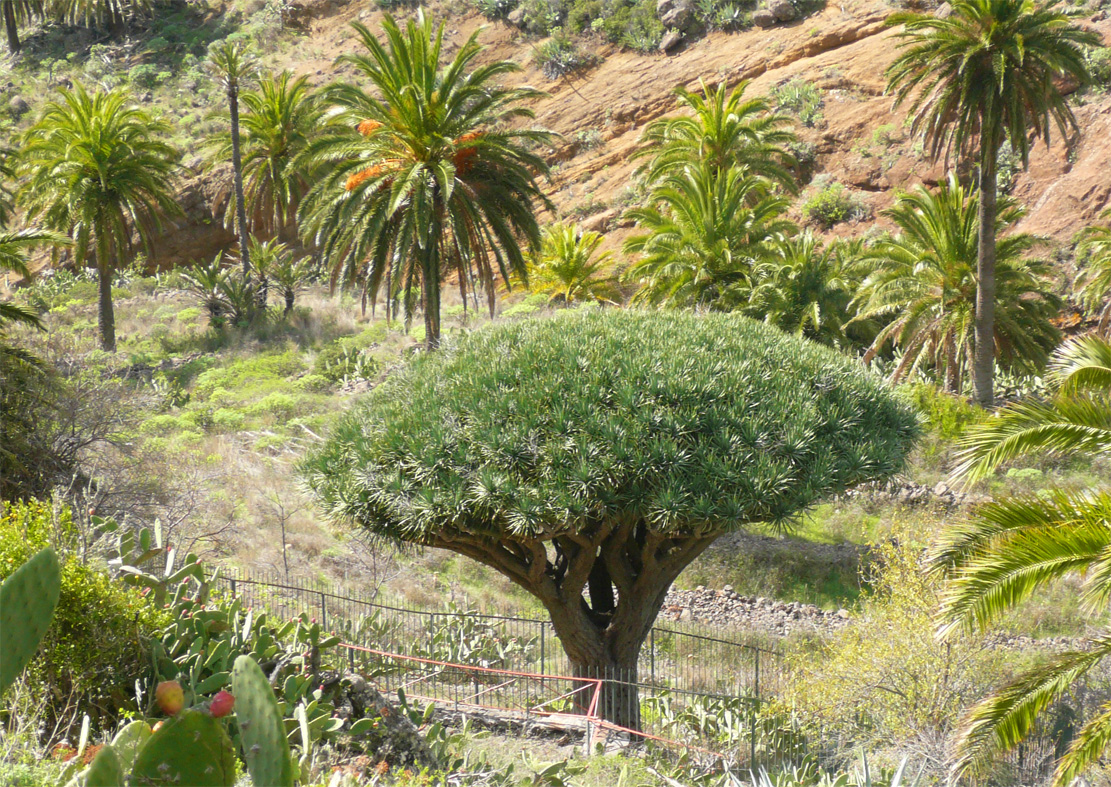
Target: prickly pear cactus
{"x": 105, "y": 770}
{"x": 27, "y": 601}
{"x": 129, "y": 742}
{"x": 261, "y": 728}
{"x": 192, "y": 748}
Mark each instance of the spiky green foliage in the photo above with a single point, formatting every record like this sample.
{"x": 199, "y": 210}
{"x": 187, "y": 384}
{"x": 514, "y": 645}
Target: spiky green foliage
{"x": 14, "y": 246}
{"x": 1094, "y": 280}
{"x": 99, "y": 169}
{"x": 191, "y": 748}
{"x": 432, "y": 172}
{"x": 806, "y": 289}
{"x": 570, "y": 452}
{"x": 281, "y": 270}
{"x": 568, "y": 268}
{"x": 1013, "y": 547}
{"x": 261, "y": 728}
{"x": 27, "y": 601}
{"x": 924, "y": 283}
{"x": 701, "y": 236}
{"x": 280, "y": 116}
{"x": 986, "y": 73}
{"x": 724, "y": 130}
{"x": 7, "y": 179}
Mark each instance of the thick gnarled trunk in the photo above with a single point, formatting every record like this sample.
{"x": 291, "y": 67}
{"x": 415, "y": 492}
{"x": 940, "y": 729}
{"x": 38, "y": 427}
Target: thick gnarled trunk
{"x": 602, "y": 591}
{"x": 11, "y": 26}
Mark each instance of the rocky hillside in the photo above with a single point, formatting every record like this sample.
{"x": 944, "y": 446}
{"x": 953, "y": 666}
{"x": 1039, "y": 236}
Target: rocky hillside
{"x": 839, "y": 54}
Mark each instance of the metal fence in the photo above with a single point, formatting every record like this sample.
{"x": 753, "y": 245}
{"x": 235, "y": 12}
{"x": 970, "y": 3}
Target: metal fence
{"x": 676, "y": 657}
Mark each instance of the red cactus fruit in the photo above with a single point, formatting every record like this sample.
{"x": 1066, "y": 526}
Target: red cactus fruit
{"x": 221, "y": 704}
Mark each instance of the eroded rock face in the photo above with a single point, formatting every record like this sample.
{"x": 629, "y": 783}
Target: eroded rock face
{"x": 671, "y": 40}
{"x": 783, "y": 10}
{"x": 394, "y": 739}
{"x": 675, "y": 14}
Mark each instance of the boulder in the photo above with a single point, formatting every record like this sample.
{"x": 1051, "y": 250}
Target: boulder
{"x": 944, "y": 11}
{"x": 763, "y": 18}
{"x": 18, "y": 107}
{"x": 671, "y": 39}
{"x": 783, "y": 10}
{"x": 674, "y": 14}
{"x": 516, "y": 17}
{"x": 394, "y": 739}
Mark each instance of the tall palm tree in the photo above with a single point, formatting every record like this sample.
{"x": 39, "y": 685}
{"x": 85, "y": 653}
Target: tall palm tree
{"x": 569, "y": 269}
{"x": 1013, "y": 547}
{"x": 428, "y": 174}
{"x": 702, "y": 235}
{"x": 15, "y": 13}
{"x": 1095, "y": 280}
{"x": 280, "y": 117}
{"x": 233, "y": 66}
{"x": 985, "y": 75}
{"x": 724, "y": 130}
{"x": 99, "y": 170}
{"x": 806, "y": 289}
{"x": 924, "y": 282}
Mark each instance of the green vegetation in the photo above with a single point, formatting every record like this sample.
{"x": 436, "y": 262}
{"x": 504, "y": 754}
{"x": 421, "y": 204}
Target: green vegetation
{"x": 568, "y": 269}
{"x": 833, "y": 203}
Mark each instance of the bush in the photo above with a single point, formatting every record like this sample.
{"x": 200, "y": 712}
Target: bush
{"x": 887, "y": 683}
{"x": 257, "y": 369}
{"x": 833, "y": 203}
{"x": 947, "y": 416}
{"x": 558, "y": 56}
{"x": 228, "y": 420}
{"x": 146, "y": 76}
{"x": 95, "y": 648}
{"x": 543, "y": 16}
{"x": 495, "y": 9}
{"x": 802, "y": 99}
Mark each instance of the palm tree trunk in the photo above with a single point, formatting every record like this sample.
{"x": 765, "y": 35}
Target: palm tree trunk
{"x": 10, "y": 26}
{"x": 430, "y": 294}
{"x": 983, "y": 368}
{"x": 106, "y": 316}
{"x": 237, "y": 171}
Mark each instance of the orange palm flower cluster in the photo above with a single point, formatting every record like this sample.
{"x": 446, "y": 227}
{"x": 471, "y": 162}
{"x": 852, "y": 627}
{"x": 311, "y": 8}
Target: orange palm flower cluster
{"x": 363, "y": 175}
{"x": 464, "y": 155}
{"x": 367, "y": 127}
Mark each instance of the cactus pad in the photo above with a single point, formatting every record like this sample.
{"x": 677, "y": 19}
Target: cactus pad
{"x": 261, "y": 727}
{"x": 27, "y": 601}
{"x": 129, "y": 741}
{"x": 192, "y": 748}
{"x": 105, "y": 770}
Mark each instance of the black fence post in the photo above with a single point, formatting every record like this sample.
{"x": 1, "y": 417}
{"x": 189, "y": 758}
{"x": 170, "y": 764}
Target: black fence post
{"x": 652, "y": 651}
{"x": 323, "y": 612}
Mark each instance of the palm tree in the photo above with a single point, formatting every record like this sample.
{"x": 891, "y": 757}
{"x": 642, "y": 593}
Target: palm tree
{"x": 568, "y": 269}
{"x": 277, "y": 265}
{"x": 205, "y": 280}
{"x": 99, "y": 170}
{"x": 704, "y": 233}
{"x": 7, "y": 176}
{"x": 232, "y": 65}
{"x": 428, "y": 174}
{"x": 13, "y": 249}
{"x": 725, "y": 130}
{"x": 279, "y": 119}
{"x": 15, "y": 13}
{"x": 1014, "y": 547}
{"x": 806, "y": 289}
{"x": 111, "y": 14}
{"x": 925, "y": 284}
{"x": 985, "y": 75}
{"x": 1095, "y": 280}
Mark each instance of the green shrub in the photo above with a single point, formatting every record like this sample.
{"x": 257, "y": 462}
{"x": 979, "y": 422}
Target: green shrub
{"x": 543, "y": 16}
{"x": 833, "y": 203}
{"x": 887, "y": 683}
{"x": 277, "y": 404}
{"x": 494, "y": 9}
{"x": 558, "y": 56}
{"x": 947, "y": 416}
{"x": 1099, "y": 66}
{"x": 802, "y": 99}
{"x": 228, "y": 420}
{"x": 146, "y": 76}
{"x": 95, "y": 648}
{"x": 271, "y": 367}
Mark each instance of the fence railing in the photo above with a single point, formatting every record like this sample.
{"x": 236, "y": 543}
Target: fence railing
{"x": 674, "y": 657}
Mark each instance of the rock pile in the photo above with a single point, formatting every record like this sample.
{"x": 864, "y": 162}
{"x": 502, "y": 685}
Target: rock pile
{"x": 727, "y": 609}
